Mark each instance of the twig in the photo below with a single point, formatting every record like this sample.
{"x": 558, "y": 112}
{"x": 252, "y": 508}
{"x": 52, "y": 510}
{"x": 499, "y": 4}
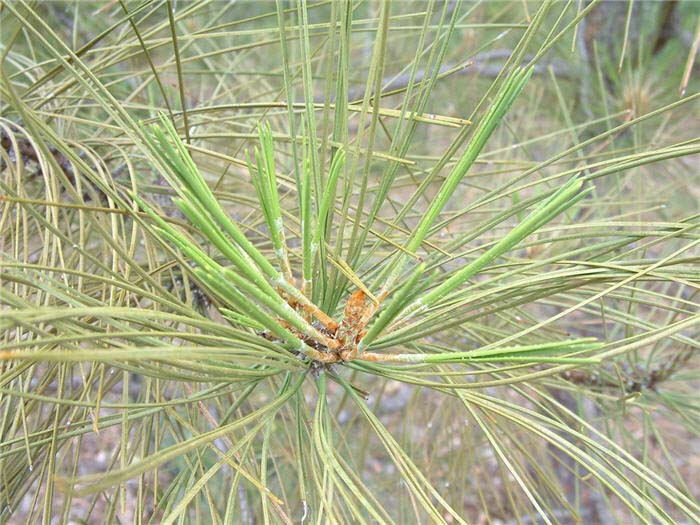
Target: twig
{"x": 479, "y": 65}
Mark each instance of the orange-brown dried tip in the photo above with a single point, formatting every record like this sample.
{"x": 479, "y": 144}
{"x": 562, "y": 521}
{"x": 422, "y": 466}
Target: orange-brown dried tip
{"x": 355, "y": 307}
